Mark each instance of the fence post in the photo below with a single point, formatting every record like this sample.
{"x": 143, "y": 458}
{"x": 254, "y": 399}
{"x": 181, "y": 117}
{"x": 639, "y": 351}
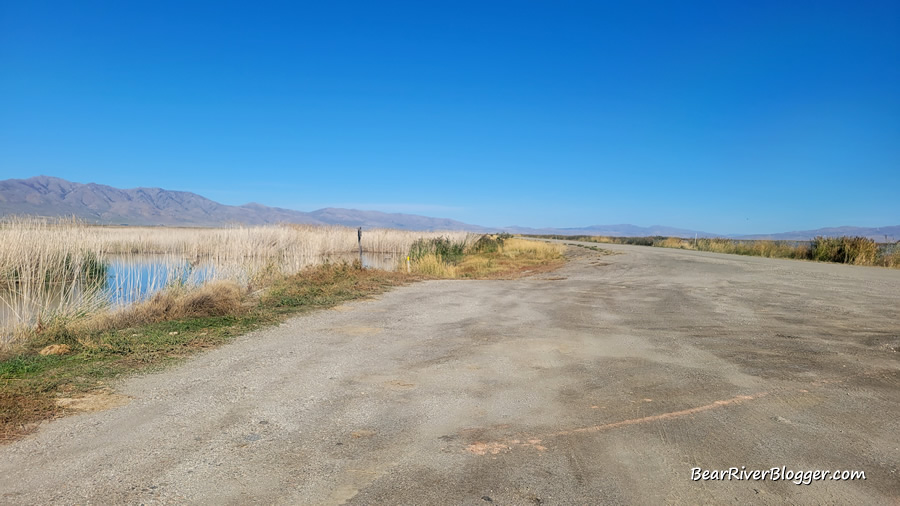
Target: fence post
{"x": 359, "y": 241}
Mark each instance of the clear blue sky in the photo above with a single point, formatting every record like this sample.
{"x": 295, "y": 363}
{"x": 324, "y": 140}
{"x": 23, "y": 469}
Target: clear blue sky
{"x": 729, "y": 117}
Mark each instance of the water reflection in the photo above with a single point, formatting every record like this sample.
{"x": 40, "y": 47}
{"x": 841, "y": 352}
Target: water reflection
{"x": 131, "y": 278}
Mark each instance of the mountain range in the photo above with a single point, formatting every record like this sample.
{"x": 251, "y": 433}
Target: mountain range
{"x": 97, "y": 203}
{"x": 880, "y": 234}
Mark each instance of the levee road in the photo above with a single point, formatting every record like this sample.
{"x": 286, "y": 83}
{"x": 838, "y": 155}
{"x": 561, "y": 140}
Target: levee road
{"x": 606, "y": 381}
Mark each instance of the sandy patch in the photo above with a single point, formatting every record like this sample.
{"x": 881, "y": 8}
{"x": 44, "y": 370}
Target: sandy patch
{"x": 399, "y": 384}
{"x": 94, "y": 401}
{"x": 354, "y": 330}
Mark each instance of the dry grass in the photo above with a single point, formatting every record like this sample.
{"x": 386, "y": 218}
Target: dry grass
{"x": 433, "y": 265}
{"x": 292, "y": 246}
{"x": 537, "y": 250}
{"x": 846, "y": 250}
{"x": 31, "y": 384}
{"x": 494, "y": 259}
{"x": 892, "y": 260}
{"x": 765, "y": 248}
{"x": 51, "y": 270}
{"x": 182, "y": 318}
{"x": 218, "y": 298}
{"x": 674, "y": 242}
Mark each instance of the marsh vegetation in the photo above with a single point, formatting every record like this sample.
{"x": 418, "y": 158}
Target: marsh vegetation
{"x": 54, "y": 272}
{"x": 64, "y": 286}
{"x": 490, "y": 256}
{"x": 845, "y": 250}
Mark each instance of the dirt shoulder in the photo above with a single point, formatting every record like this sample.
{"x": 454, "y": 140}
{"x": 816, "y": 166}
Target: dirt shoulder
{"x": 65, "y": 368}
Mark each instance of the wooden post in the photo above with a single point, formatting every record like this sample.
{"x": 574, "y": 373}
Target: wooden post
{"x": 359, "y": 241}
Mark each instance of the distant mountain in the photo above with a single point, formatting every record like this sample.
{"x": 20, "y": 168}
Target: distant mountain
{"x": 97, "y": 203}
{"x": 880, "y": 234}
{"x": 354, "y": 217}
{"x": 613, "y": 231}
{"x": 51, "y": 196}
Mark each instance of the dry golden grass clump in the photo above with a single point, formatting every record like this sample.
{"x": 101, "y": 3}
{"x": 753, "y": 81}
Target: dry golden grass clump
{"x": 846, "y": 250}
{"x": 40, "y": 243}
{"x": 492, "y": 257}
{"x": 532, "y": 249}
{"x": 433, "y": 265}
{"x": 674, "y": 242}
{"x": 54, "y": 270}
{"x": 892, "y": 260}
{"x": 218, "y": 298}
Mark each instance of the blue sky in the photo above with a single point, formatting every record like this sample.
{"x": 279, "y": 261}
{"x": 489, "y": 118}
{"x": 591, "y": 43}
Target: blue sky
{"x": 728, "y": 117}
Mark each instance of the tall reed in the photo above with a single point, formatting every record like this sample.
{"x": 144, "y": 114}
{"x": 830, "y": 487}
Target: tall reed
{"x": 847, "y": 250}
{"x": 62, "y": 268}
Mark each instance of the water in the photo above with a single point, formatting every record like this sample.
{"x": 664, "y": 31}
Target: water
{"x": 132, "y": 278}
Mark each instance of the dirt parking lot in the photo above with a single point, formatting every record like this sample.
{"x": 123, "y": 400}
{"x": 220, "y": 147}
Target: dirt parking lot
{"x": 606, "y": 381}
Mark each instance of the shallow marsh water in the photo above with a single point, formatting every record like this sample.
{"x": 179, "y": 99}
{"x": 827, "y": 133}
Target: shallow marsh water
{"x": 132, "y": 278}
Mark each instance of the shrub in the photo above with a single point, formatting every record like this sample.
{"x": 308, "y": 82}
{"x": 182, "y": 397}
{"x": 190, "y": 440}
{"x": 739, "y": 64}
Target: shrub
{"x": 487, "y": 244}
{"x": 846, "y": 250}
{"x": 444, "y": 247}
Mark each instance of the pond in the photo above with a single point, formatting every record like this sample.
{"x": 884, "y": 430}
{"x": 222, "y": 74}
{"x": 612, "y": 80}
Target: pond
{"x": 131, "y": 278}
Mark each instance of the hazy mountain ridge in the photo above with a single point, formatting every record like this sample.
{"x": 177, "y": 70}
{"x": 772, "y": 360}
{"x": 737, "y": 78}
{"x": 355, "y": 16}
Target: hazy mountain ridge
{"x": 51, "y": 196}
{"x": 391, "y": 220}
{"x": 880, "y": 234}
{"x": 622, "y": 230}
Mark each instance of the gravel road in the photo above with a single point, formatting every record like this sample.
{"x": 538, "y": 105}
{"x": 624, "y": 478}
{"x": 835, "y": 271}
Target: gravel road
{"x": 606, "y": 381}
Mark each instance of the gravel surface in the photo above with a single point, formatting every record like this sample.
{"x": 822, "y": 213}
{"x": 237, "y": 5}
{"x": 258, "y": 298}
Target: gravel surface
{"x": 606, "y": 381}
